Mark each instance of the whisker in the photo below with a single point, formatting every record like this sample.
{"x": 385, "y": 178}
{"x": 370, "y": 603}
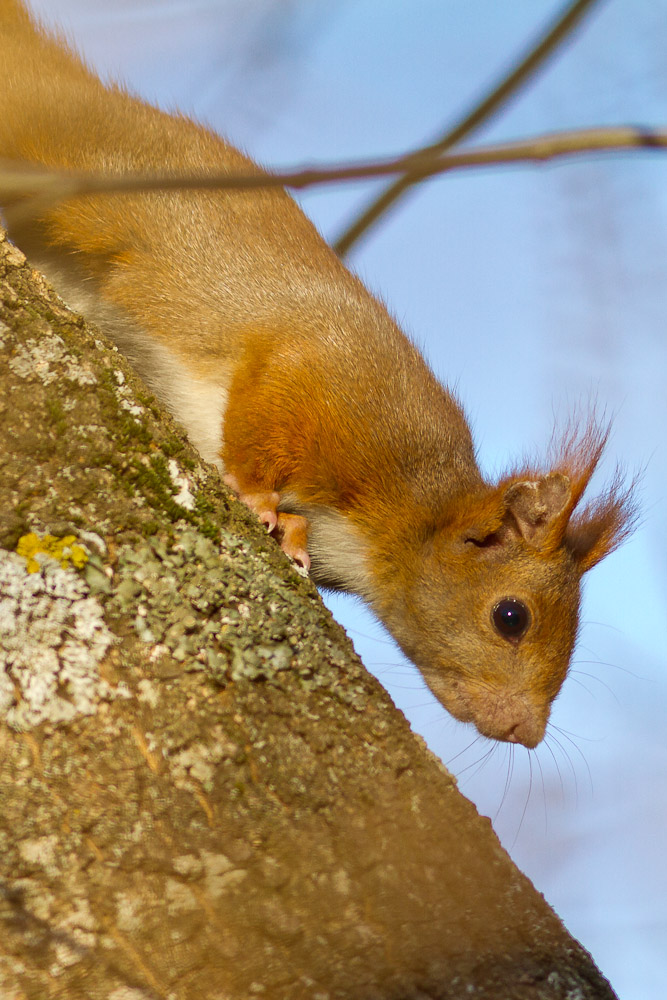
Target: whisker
{"x": 568, "y": 736}
{"x": 593, "y": 677}
{"x": 465, "y": 750}
{"x": 544, "y": 791}
{"x": 575, "y": 680}
{"x": 592, "y": 621}
{"x": 509, "y": 757}
{"x": 440, "y": 718}
{"x": 616, "y": 666}
{"x": 510, "y": 770}
{"x": 409, "y": 687}
{"x": 576, "y": 736}
{"x": 477, "y": 764}
{"x": 569, "y": 761}
{"x": 528, "y": 794}
{"x": 481, "y": 764}
{"x": 553, "y": 756}
{"x": 396, "y": 668}
{"x": 370, "y": 638}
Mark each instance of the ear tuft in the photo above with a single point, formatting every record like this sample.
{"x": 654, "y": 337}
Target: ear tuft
{"x": 604, "y": 524}
{"x": 537, "y": 507}
{"x": 540, "y": 506}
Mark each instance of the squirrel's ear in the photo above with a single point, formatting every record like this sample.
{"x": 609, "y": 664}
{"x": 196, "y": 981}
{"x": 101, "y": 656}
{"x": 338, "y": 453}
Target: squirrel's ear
{"x": 534, "y": 510}
{"x": 538, "y": 510}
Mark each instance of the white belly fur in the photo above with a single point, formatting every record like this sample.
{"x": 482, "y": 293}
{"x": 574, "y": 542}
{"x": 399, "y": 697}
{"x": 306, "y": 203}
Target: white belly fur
{"x": 338, "y": 550}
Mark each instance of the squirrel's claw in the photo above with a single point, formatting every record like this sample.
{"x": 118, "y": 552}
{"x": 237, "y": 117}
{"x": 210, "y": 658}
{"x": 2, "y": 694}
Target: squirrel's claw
{"x": 292, "y": 533}
{"x": 290, "y": 530}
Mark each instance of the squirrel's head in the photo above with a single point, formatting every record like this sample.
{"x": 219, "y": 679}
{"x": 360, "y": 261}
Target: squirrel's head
{"x": 491, "y": 613}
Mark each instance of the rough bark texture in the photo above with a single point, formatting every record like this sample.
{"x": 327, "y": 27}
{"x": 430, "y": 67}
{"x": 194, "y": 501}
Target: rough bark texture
{"x": 203, "y": 794}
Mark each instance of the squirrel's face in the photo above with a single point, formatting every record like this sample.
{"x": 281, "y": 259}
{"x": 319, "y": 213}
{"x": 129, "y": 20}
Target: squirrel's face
{"x": 487, "y": 605}
{"x": 492, "y": 630}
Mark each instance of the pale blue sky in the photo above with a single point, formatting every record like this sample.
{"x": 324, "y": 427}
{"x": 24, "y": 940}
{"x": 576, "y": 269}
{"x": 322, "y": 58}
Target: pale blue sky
{"x": 530, "y": 289}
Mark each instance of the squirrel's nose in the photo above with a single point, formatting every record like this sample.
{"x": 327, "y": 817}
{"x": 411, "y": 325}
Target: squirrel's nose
{"x": 528, "y": 731}
{"x": 512, "y": 717}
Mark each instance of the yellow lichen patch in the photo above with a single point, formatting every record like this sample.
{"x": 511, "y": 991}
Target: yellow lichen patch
{"x": 67, "y": 551}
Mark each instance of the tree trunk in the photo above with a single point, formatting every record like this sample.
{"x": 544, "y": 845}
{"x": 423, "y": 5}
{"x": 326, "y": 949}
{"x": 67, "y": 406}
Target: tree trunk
{"x": 204, "y": 795}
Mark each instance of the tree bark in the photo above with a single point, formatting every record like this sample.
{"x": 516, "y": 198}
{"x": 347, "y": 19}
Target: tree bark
{"x": 204, "y": 795}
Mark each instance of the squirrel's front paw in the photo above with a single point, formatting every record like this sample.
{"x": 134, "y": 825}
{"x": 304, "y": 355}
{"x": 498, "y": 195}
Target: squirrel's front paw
{"x": 290, "y": 530}
{"x": 292, "y": 533}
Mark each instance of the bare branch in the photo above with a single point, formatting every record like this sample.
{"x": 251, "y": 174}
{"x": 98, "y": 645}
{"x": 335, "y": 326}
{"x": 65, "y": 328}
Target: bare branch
{"x": 26, "y": 190}
{"x": 550, "y": 146}
{"x": 498, "y": 96}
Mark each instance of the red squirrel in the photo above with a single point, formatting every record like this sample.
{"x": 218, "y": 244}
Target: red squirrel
{"x": 296, "y": 382}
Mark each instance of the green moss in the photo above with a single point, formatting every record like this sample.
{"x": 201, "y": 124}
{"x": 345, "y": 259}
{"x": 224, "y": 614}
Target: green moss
{"x": 159, "y": 466}
{"x": 128, "y": 428}
{"x": 153, "y": 481}
{"x": 172, "y": 446}
{"x": 130, "y": 431}
{"x": 203, "y": 505}
{"x": 56, "y": 413}
{"x": 209, "y": 529}
{"x": 145, "y": 399}
{"x": 149, "y": 528}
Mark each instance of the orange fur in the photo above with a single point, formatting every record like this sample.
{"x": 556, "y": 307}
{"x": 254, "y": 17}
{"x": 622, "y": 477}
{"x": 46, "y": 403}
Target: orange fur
{"x": 320, "y": 410}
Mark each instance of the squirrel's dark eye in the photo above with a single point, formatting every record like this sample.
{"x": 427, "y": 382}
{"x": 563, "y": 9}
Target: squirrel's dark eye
{"x": 511, "y": 618}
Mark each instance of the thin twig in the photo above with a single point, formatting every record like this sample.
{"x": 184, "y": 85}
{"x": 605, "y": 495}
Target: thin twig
{"x": 27, "y": 191}
{"x": 550, "y": 146}
{"x": 481, "y": 111}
